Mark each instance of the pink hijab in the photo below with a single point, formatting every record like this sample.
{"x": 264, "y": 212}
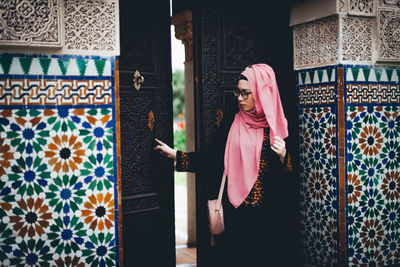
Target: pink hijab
{"x": 244, "y": 144}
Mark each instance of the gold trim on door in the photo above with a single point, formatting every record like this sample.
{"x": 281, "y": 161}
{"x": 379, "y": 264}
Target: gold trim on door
{"x": 151, "y": 120}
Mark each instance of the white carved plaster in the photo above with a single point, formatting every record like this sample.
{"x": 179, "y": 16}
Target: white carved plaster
{"x": 91, "y": 27}
{"x": 31, "y": 23}
{"x": 389, "y": 35}
{"x": 361, "y": 7}
{"x": 356, "y": 41}
{"x": 389, "y": 3}
{"x": 316, "y": 43}
{"x": 342, "y": 6}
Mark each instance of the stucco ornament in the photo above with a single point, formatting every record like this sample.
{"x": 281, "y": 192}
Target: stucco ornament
{"x": 33, "y": 22}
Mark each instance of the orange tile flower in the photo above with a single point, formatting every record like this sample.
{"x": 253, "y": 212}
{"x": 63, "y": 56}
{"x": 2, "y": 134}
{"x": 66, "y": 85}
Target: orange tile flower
{"x": 371, "y": 233}
{"x": 32, "y": 217}
{"x": 391, "y": 185}
{"x": 371, "y": 140}
{"x": 99, "y": 211}
{"x": 69, "y": 261}
{"x": 65, "y": 153}
{"x": 5, "y": 156}
{"x": 330, "y": 140}
{"x": 354, "y": 188}
{"x": 304, "y": 140}
{"x": 318, "y": 186}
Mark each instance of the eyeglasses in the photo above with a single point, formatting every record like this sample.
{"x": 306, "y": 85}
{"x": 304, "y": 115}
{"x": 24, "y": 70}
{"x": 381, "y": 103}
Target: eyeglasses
{"x": 237, "y": 92}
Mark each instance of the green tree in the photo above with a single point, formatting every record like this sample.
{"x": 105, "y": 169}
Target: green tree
{"x": 178, "y": 92}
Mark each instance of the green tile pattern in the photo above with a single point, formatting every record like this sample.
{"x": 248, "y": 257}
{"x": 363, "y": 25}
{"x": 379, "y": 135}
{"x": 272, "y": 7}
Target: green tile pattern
{"x": 60, "y": 66}
{"x": 372, "y": 74}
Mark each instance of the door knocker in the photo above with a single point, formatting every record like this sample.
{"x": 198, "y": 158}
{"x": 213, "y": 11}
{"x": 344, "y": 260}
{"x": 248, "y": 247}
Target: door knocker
{"x": 138, "y": 80}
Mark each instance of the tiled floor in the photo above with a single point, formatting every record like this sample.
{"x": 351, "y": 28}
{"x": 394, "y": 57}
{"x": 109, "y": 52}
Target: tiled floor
{"x": 185, "y": 257}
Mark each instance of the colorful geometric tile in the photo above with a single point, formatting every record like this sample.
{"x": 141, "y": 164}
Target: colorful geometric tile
{"x": 373, "y": 188}
{"x": 318, "y": 181}
{"x": 372, "y": 174}
{"x": 57, "y": 185}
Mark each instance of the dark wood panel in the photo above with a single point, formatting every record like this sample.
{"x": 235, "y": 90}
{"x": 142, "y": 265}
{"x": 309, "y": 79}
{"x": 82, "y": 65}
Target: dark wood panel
{"x": 137, "y": 159}
{"x": 147, "y": 178}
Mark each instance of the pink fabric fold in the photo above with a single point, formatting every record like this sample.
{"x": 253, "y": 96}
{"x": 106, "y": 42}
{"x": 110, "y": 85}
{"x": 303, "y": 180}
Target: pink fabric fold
{"x": 244, "y": 143}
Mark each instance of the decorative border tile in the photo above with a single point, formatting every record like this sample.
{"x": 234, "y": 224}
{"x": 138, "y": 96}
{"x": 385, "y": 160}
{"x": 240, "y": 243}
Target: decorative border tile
{"x": 372, "y": 93}
{"x": 314, "y": 76}
{"x": 11, "y": 64}
{"x": 372, "y": 74}
{"x": 317, "y": 95}
{"x": 55, "y": 92}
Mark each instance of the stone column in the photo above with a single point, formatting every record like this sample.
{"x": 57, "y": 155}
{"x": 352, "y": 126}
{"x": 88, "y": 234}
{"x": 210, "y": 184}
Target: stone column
{"x": 347, "y": 55}
{"x": 183, "y": 32}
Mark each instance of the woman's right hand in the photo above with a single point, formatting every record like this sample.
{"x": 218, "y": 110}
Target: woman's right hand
{"x": 165, "y": 150}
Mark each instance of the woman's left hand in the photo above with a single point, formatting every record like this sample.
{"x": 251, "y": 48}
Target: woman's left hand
{"x": 279, "y": 147}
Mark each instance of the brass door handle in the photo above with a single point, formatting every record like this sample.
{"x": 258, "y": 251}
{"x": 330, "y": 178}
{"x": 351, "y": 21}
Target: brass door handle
{"x": 138, "y": 80}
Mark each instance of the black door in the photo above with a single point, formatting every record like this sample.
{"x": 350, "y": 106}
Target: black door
{"x": 147, "y": 179}
{"x": 228, "y": 36}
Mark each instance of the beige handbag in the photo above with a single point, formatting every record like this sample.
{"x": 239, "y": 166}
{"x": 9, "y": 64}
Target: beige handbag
{"x": 216, "y": 213}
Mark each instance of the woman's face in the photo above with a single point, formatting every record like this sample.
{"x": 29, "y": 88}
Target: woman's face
{"x": 249, "y": 103}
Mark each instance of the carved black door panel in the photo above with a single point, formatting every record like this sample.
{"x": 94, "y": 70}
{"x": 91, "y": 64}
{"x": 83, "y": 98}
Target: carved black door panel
{"x": 228, "y": 36}
{"x": 147, "y": 179}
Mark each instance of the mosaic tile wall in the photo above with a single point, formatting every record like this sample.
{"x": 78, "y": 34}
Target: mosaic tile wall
{"x": 58, "y": 186}
{"x": 367, "y": 234}
{"x": 373, "y": 166}
{"x": 318, "y": 173}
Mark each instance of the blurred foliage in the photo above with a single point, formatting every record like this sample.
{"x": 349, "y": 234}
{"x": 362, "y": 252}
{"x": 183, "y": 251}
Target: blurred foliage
{"x": 178, "y": 92}
{"x": 180, "y": 140}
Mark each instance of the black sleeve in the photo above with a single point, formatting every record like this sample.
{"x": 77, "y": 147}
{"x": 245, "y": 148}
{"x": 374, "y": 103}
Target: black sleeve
{"x": 209, "y": 160}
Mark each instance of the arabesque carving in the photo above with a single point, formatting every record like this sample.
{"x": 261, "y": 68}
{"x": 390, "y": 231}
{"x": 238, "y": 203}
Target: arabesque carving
{"x": 30, "y": 22}
{"x": 389, "y": 35}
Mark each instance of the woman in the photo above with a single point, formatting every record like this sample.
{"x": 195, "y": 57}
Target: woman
{"x": 259, "y": 225}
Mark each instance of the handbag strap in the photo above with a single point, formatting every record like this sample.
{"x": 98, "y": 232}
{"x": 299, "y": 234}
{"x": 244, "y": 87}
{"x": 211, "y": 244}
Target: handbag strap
{"x": 221, "y": 191}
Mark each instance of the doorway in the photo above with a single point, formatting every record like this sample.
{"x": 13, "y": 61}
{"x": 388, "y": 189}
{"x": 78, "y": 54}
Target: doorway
{"x": 183, "y": 114}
